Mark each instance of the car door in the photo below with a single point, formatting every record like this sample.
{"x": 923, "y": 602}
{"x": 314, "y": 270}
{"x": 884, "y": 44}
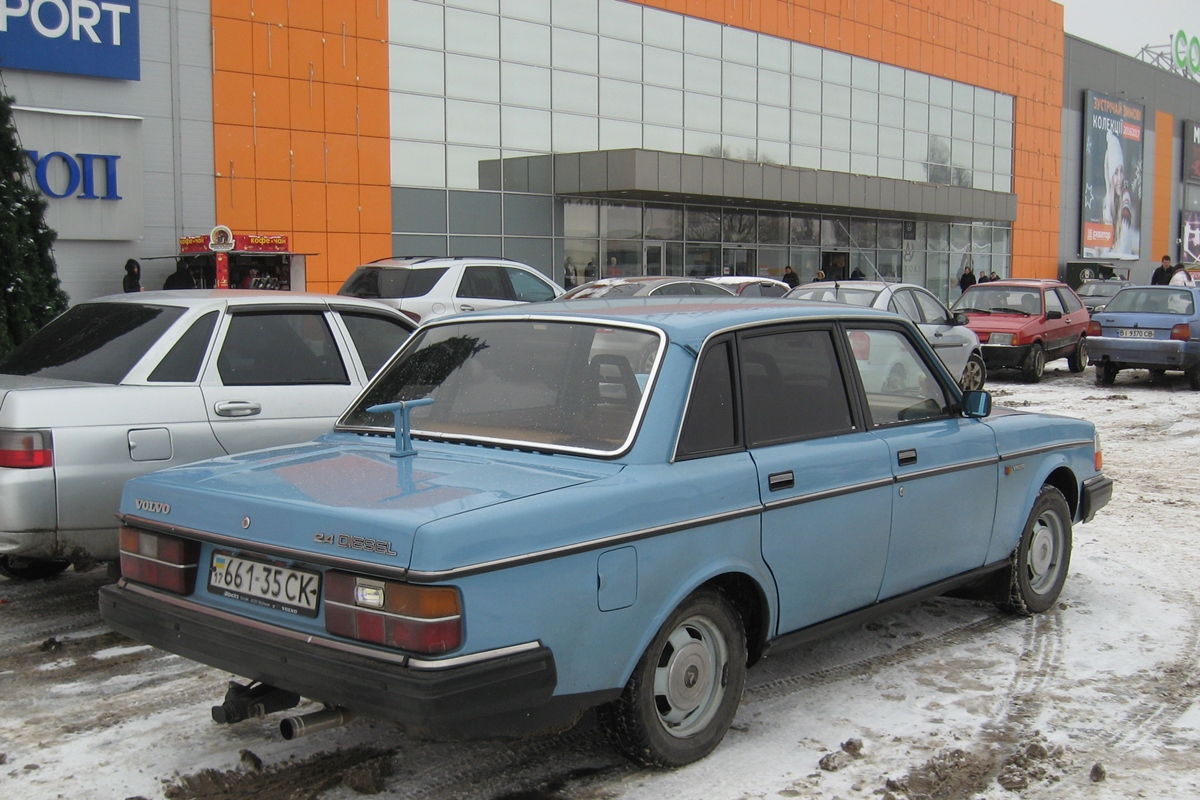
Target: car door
{"x": 946, "y": 466}
{"x": 1061, "y": 332}
{"x": 482, "y": 286}
{"x": 824, "y": 481}
{"x": 279, "y": 376}
{"x": 952, "y": 343}
{"x": 1075, "y": 315}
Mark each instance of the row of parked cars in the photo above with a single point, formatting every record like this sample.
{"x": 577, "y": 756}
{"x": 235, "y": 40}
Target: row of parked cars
{"x": 528, "y": 512}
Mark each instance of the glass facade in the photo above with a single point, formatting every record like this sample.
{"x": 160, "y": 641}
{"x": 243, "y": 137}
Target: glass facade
{"x": 474, "y": 80}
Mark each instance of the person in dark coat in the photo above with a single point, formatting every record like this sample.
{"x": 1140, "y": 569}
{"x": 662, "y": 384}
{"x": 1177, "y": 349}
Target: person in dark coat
{"x": 967, "y": 280}
{"x": 790, "y": 277}
{"x": 1162, "y": 275}
{"x": 133, "y": 277}
{"x": 181, "y": 278}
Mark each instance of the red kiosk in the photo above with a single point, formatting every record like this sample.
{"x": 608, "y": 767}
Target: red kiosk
{"x": 223, "y": 260}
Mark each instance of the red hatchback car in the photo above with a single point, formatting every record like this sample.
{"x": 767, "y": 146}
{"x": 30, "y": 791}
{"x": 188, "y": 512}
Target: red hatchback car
{"x": 1022, "y": 324}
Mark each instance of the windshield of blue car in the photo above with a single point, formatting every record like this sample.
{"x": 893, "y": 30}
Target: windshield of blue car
{"x": 1000, "y": 300}
{"x": 569, "y": 386}
{"x": 93, "y": 342}
{"x": 1098, "y": 289}
{"x": 836, "y": 294}
{"x": 1152, "y": 300}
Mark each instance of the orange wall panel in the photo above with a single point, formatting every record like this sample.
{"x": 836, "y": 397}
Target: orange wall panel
{"x": 293, "y": 84}
{"x": 1164, "y": 151}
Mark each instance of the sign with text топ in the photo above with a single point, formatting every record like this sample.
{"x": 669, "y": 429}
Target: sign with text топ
{"x": 76, "y": 37}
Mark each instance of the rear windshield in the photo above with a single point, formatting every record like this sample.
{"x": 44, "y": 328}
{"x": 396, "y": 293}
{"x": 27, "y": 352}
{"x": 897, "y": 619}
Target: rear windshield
{"x": 1153, "y": 301}
{"x": 551, "y": 385}
{"x": 391, "y": 282}
{"x": 610, "y": 290}
{"x": 836, "y": 294}
{"x": 94, "y": 342}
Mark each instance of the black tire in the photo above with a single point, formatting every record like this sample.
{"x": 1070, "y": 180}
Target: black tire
{"x": 1035, "y": 364}
{"x": 1038, "y": 567}
{"x": 1193, "y": 376}
{"x": 1106, "y": 373}
{"x": 974, "y": 374}
{"x": 19, "y": 568}
{"x": 699, "y": 656}
{"x": 1078, "y": 360}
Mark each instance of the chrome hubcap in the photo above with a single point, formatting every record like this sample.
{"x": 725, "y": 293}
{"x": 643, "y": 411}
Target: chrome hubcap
{"x": 1045, "y": 553}
{"x": 687, "y": 683}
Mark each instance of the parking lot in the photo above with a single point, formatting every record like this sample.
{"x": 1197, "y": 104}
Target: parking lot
{"x": 950, "y": 699}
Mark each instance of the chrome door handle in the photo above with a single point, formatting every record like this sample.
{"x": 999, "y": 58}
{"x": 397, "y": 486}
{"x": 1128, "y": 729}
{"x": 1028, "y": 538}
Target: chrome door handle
{"x": 237, "y": 408}
{"x": 906, "y": 458}
{"x": 462, "y": 307}
{"x": 781, "y": 480}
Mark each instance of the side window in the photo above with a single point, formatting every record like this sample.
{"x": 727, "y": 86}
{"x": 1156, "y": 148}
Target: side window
{"x": 900, "y": 386}
{"x": 1069, "y": 300}
{"x": 528, "y": 288}
{"x": 280, "y": 349}
{"x": 1053, "y": 303}
{"x": 902, "y": 303}
{"x": 752, "y": 290}
{"x": 931, "y": 308}
{"x": 375, "y": 338}
{"x": 709, "y": 289}
{"x": 792, "y": 387}
{"x": 182, "y": 364}
{"x": 485, "y": 283}
{"x": 711, "y": 424}
{"x": 674, "y": 290}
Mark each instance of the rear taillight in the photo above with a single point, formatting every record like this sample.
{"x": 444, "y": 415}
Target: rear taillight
{"x": 1181, "y": 332}
{"x": 1099, "y": 452}
{"x": 166, "y": 562}
{"x": 414, "y": 316}
{"x": 26, "y": 449}
{"x": 421, "y": 619}
{"x": 1094, "y": 329}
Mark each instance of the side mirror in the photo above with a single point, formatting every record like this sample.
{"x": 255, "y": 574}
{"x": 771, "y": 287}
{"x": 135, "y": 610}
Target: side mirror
{"x": 1053, "y": 315}
{"x": 977, "y": 403}
{"x": 959, "y": 318}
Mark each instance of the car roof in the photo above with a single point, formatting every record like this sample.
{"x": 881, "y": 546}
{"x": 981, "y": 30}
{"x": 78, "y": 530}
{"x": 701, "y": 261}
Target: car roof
{"x": 872, "y": 286}
{"x": 434, "y": 262}
{"x": 740, "y": 279}
{"x": 192, "y": 298}
{"x": 1025, "y": 283}
{"x": 686, "y": 320}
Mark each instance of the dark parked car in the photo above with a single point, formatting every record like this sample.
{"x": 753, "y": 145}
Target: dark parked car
{"x": 1096, "y": 294}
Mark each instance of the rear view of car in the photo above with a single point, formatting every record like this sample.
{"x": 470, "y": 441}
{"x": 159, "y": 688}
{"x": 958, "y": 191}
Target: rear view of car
{"x": 1147, "y": 327}
{"x": 422, "y": 288}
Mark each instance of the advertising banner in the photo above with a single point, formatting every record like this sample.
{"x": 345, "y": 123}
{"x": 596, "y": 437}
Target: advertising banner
{"x": 1191, "y": 151}
{"x": 1189, "y": 228}
{"x": 1112, "y": 177}
{"x": 76, "y": 37}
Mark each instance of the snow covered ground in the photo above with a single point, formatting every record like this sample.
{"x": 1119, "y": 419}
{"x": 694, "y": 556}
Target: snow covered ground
{"x": 950, "y": 699}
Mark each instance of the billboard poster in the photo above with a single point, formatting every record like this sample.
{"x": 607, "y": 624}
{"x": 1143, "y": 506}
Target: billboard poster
{"x": 1189, "y": 229}
{"x": 1112, "y": 177}
{"x": 1191, "y": 151}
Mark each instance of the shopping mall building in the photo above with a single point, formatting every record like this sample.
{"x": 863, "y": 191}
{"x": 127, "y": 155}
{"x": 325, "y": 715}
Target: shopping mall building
{"x": 905, "y": 138}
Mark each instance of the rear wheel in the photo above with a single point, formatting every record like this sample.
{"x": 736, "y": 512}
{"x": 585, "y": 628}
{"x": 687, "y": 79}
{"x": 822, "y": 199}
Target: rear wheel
{"x": 974, "y": 375}
{"x": 1035, "y": 364}
{"x": 19, "y": 568}
{"x": 1077, "y": 361}
{"x": 685, "y": 689}
{"x": 1038, "y": 567}
{"x": 1106, "y": 373}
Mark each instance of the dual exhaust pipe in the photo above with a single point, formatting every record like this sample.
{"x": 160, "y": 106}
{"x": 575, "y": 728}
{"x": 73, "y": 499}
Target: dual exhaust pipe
{"x": 256, "y": 700}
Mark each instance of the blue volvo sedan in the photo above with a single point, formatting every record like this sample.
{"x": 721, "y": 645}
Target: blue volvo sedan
{"x": 619, "y": 505}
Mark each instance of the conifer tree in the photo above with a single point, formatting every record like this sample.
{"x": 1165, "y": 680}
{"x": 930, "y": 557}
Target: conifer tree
{"x": 30, "y": 295}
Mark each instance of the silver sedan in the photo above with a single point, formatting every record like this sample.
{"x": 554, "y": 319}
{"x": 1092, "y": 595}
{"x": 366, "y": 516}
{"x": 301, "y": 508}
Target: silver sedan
{"x": 955, "y": 343}
{"x": 123, "y": 385}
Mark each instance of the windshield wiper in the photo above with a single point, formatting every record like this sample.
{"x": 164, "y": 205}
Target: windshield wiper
{"x": 976, "y": 310}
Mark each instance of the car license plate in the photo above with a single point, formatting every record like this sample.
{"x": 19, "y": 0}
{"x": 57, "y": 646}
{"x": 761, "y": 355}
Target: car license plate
{"x": 293, "y": 590}
{"x": 1135, "y": 333}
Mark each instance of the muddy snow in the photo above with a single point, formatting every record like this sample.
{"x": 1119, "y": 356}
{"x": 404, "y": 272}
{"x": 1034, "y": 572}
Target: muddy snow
{"x": 950, "y": 699}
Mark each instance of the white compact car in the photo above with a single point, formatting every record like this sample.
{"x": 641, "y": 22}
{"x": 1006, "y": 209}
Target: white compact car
{"x": 119, "y": 386}
{"x": 955, "y": 343}
{"x": 424, "y": 288}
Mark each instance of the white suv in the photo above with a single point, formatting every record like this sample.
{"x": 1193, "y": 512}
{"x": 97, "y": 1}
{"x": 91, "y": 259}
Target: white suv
{"x": 423, "y": 288}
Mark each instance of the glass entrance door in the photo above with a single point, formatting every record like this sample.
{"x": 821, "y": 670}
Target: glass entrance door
{"x": 652, "y": 260}
{"x": 739, "y": 261}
